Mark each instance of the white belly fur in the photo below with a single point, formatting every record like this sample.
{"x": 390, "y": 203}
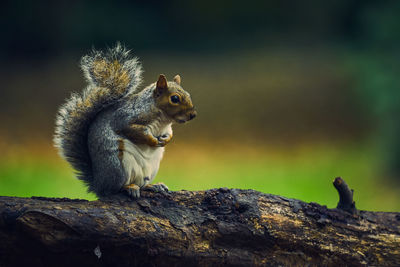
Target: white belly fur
{"x": 140, "y": 161}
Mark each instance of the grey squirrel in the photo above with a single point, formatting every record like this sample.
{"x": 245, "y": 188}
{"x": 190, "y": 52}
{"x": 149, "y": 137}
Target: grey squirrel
{"x": 112, "y": 133}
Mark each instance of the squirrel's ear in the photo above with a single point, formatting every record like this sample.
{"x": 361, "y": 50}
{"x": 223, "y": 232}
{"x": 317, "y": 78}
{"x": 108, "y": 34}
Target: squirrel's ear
{"x": 177, "y": 79}
{"x": 161, "y": 84}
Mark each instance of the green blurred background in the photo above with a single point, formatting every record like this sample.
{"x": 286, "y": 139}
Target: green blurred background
{"x": 290, "y": 94}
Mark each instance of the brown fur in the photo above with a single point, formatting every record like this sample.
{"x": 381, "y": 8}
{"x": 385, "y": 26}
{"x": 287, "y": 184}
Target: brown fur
{"x": 131, "y": 186}
{"x": 177, "y": 79}
{"x": 139, "y": 134}
{"x": 164, "y": 90}
{"x": 111, "y": 73}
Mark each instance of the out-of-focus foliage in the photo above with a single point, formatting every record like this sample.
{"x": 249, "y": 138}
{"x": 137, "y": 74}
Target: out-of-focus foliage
{"x": 304, "y": 172}
{"x": 375, "y": 62}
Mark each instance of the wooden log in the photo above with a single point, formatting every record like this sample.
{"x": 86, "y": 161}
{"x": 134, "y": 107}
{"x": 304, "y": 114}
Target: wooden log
{"x": 202, "y": 228}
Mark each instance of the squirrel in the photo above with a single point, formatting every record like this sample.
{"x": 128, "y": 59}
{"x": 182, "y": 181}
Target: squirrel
{"x": 113, "y": 134}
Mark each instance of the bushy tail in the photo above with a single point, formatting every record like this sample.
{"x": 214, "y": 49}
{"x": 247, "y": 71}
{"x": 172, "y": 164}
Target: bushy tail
{"x": 111, "y": 75}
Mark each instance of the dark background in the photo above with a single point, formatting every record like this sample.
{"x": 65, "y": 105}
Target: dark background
{"x": 279, "y": 74}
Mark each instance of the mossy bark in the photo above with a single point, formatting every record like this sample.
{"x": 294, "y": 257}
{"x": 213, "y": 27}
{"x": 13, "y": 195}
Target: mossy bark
{"x": 204, "y": 228}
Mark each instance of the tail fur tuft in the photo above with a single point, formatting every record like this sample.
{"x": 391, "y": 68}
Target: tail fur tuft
{"x": 112, "y": 69}
{"x": 111, "y": 76}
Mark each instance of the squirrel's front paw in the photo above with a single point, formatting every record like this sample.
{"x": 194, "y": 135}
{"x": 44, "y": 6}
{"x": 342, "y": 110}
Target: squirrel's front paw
{"x": 132, "y": 190}
{"x": 164, "y": 139}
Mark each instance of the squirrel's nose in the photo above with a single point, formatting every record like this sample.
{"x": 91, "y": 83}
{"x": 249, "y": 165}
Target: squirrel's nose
{"x": 192, "y": 115}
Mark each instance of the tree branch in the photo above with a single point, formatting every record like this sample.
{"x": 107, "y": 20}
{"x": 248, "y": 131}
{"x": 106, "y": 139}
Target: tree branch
{"x": 346, "y": 201}
{"x": 202, "y": 228}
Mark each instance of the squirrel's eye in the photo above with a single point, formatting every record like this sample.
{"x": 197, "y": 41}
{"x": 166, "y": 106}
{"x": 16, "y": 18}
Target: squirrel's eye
{"x": 175, "y": 99}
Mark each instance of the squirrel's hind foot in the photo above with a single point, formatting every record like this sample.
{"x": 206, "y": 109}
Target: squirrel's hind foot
{"x": 132, "y": 190}
{"x": 157, "y": 188}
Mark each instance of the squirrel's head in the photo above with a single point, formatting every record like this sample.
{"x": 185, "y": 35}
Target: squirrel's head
{"x": 173, "y": 100}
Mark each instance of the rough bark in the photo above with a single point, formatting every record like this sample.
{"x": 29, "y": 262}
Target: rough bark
{"x": 205, "y": 228}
